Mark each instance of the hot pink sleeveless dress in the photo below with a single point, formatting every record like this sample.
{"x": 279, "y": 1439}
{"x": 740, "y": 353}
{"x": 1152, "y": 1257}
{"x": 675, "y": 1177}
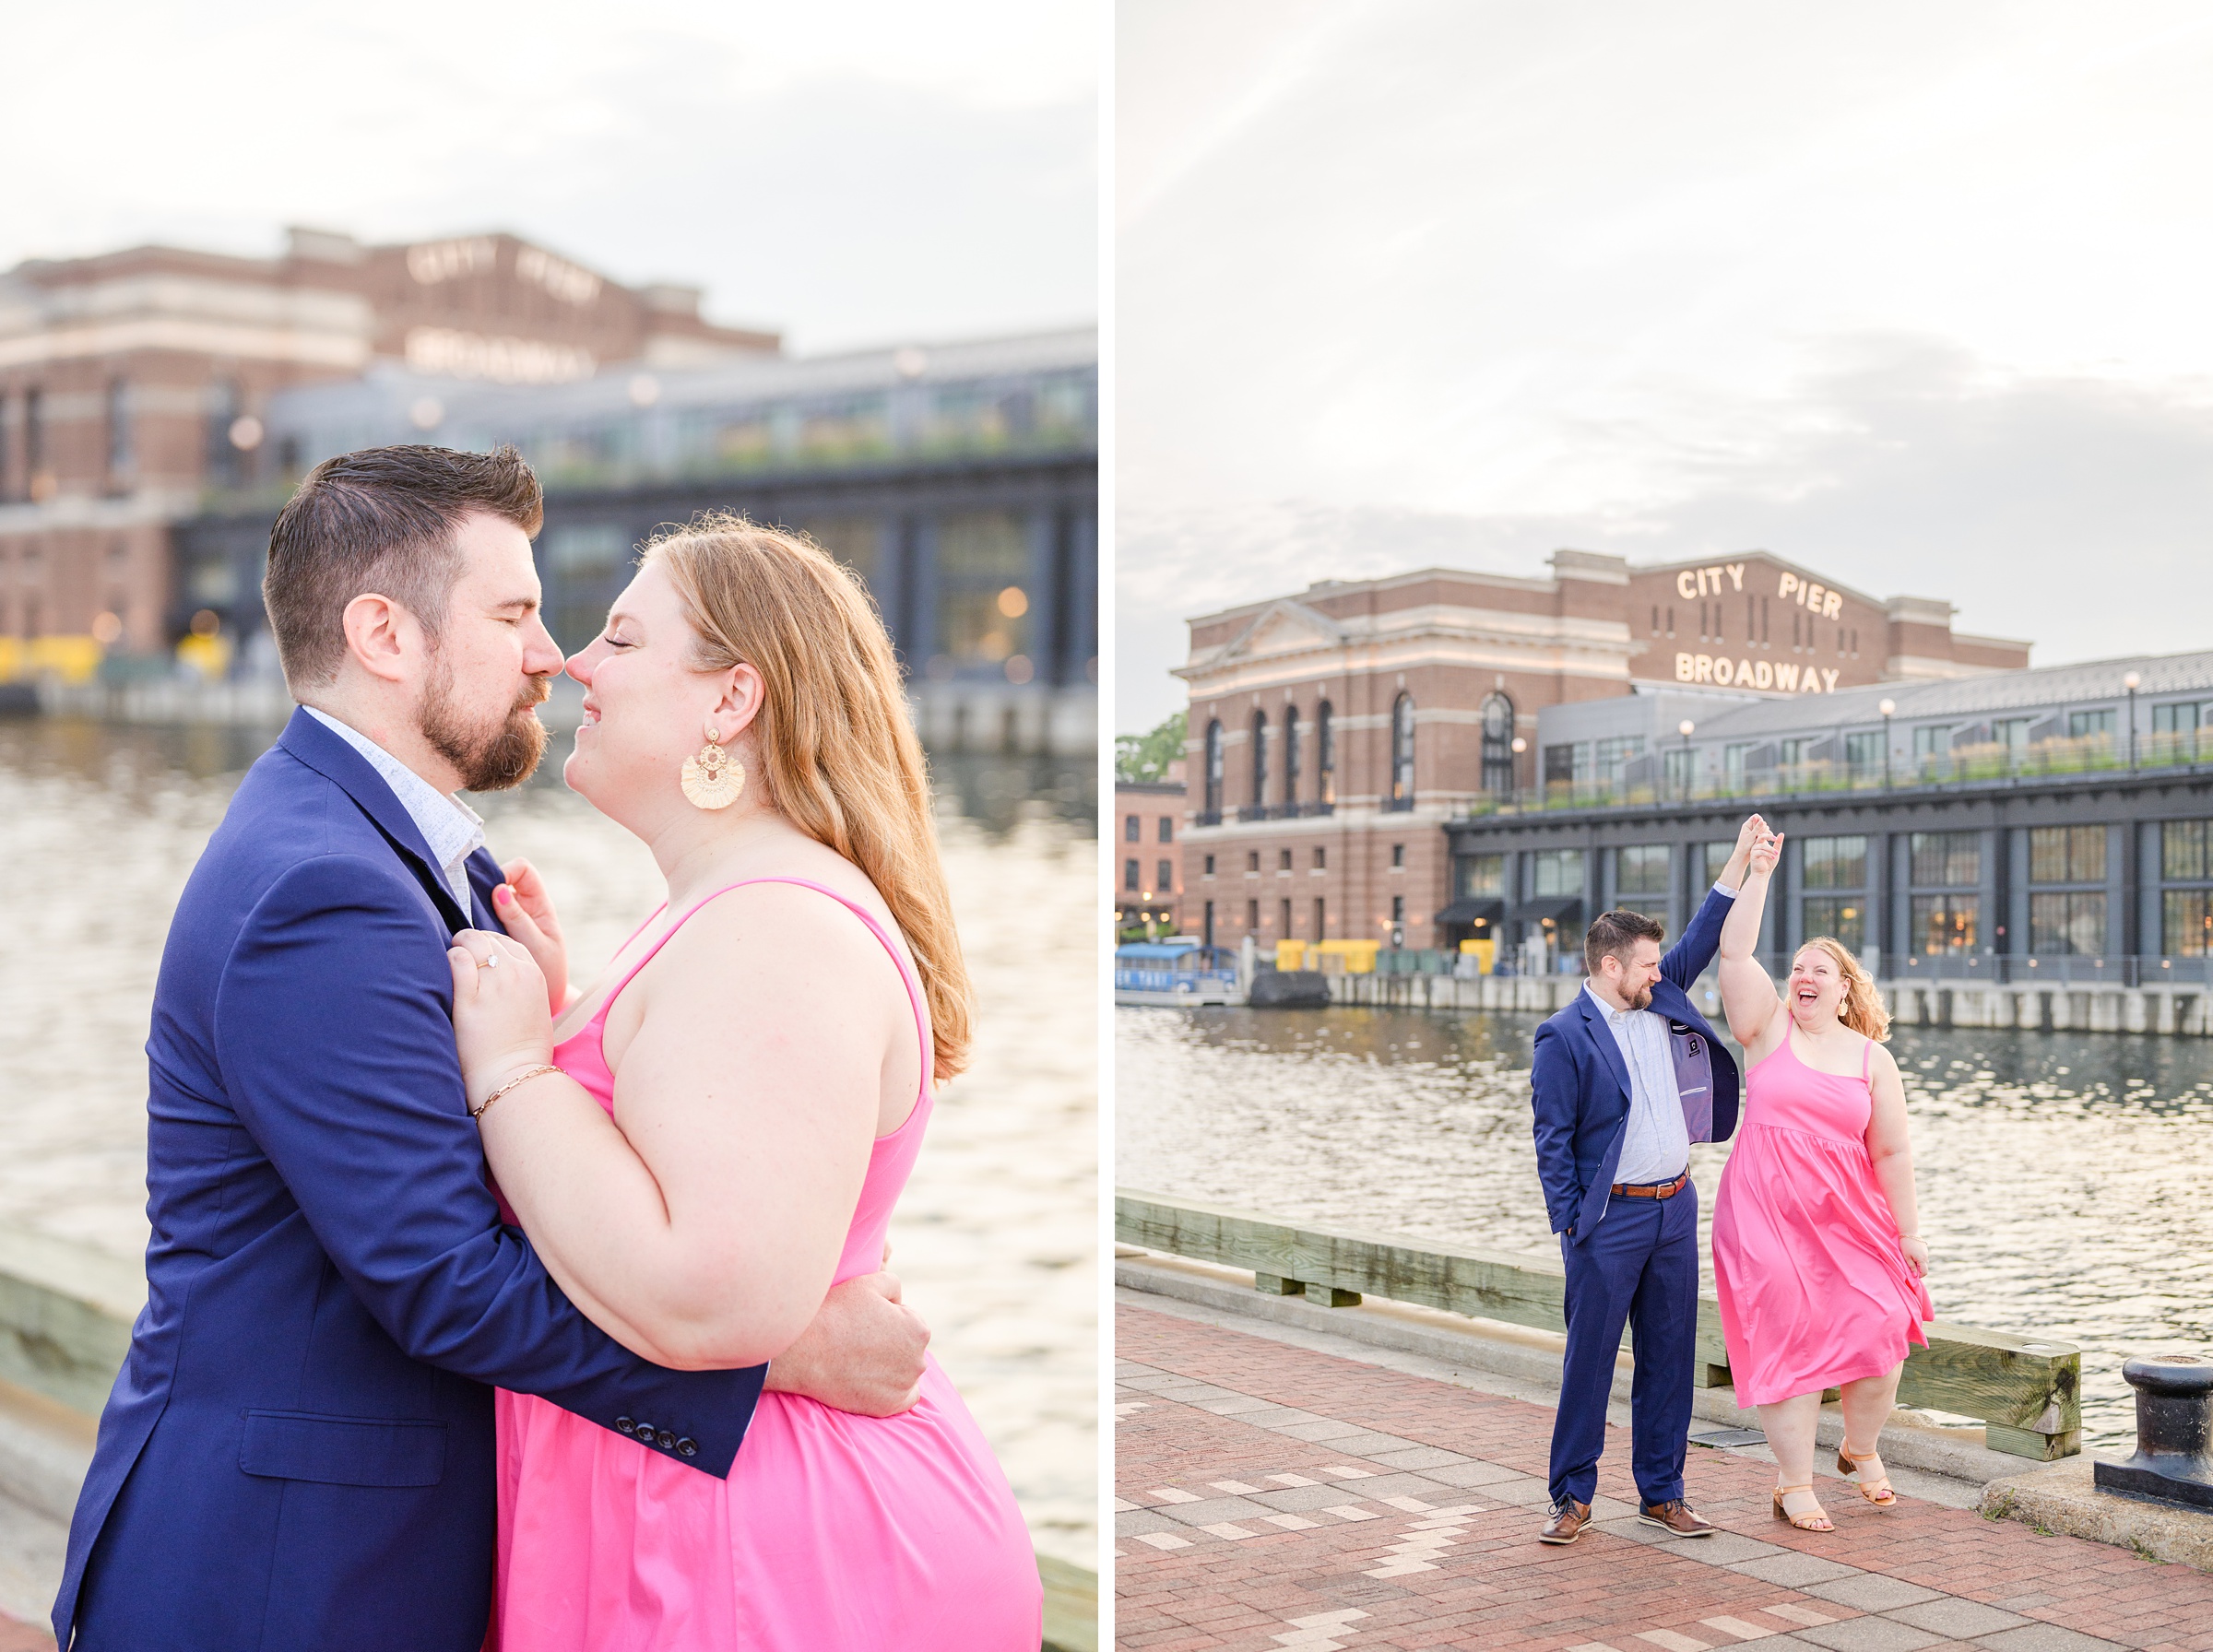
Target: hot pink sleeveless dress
{"x": 1814, "y": 1290}
{"x": 834, "y": 1533}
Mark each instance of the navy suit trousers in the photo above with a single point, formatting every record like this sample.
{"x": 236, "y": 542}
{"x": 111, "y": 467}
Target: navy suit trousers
{"x": 1641, "y": 1266}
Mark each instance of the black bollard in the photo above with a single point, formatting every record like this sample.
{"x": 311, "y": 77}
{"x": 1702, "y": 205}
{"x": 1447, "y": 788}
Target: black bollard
{"x": 2174, "y": 1433}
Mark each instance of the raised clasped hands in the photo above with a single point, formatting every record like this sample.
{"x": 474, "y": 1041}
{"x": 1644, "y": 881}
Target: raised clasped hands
{"x": 1766, "y": 852}
{"x": 502, "y": 1022}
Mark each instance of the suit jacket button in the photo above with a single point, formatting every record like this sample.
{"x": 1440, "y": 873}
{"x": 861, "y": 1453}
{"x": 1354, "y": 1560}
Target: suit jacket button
{"x": 646, "y": 1433}
{"x": 668, "y": 1440}
{"x": 686, "y": 1448}
{"x": 623, "y": 1425}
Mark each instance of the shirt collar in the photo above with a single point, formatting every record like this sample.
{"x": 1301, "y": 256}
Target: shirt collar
{"x": 451, "y": 830}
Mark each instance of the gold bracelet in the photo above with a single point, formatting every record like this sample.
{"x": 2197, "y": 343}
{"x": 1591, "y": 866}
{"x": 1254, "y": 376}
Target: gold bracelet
{"x": 523, "y": 1078}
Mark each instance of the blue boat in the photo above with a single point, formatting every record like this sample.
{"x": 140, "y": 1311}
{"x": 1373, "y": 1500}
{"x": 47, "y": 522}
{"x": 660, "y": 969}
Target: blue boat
{"x": 1178, "y": 973}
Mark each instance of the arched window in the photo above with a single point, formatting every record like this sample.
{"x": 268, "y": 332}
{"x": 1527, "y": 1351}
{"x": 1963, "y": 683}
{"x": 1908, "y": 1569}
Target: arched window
{"x": 1260, "y": 759}
{"x": 1499, "y": 745}
{"x": 1290, "y": 758}
{"x": 1325, "y": 755}
{"x": 1402, "y": 752}
{"x": 1213, "y": 771}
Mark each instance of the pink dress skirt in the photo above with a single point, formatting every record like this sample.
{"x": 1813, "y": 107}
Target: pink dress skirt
{"x": 833, "y": 1532}
{"x": 1814, "y": 1290}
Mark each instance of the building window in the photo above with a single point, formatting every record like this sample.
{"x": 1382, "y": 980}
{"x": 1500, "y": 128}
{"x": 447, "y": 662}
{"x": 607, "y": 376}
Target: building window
{"x": 1290, "y": 754}
{"x": 1839, "y": 916}
{"x": 1167, "y": 829}
{"x": 1166, "y": 882}
{"x": 1834, "y": 862}
{"x": 1286, "y": 916}
{"x": 1321, "y": 859}
{"x": 1282, "y": 860}
{"x": 1325, "y": 753}
{"x": 1568, "y": 762}
{"x": 2185, "y": 856}
{"x": 1398, "y": 909}
{"x": 1209, "y": 867}
{"x": 1214, "y": 772}
{"x": 984, "y": 611}
{"x": 1946, "y": 923}
{"x": 1946, "y": 859}
{"x": 1714, "y": 858}
{"x": 1206, "y": 930}
{"x": 118, "y": 411}
{"x": 1931, "y": 742}
{"x": 34, "y": 442}
{"x": 1252, "y": 916}
{"x": 2072, "y": 922}
{"x": 1260, "y": 759}
{"x": 2067, "y": 854}
{"x": 1402, "y": 752}
{"x": 1133, "y": 831}
{"x": 1321, "y": 915}
{"x": 1398, "y": 855}
{"x": 1733, "y": 764}
{"x": 1559, "y": 872}
{"x": 1129, "y": 874}
{"x": 1640, "y": 878}
{"x": 1793, "y": 752}
{"x": 2092, "y": 726}
{"x": 2186, "y": 718}
{"x": 2013, "y": 734}
{"x": 1611, "y": 757}
{"x": 1252, "y": 860}
{"x": 1479, "y": 874}
{"x": 1498, "y": 741}
{"x": 1863, "y": 752}
{"x": 1682, "y": 768}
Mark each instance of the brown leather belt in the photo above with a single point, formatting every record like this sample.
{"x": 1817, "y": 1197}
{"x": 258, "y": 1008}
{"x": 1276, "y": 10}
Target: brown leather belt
{"x": 1651, "y": 1189}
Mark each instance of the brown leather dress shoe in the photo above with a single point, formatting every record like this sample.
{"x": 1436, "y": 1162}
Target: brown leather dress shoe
{"x": 1675, "y": 1515}
{"x": 1568, "y": 1518}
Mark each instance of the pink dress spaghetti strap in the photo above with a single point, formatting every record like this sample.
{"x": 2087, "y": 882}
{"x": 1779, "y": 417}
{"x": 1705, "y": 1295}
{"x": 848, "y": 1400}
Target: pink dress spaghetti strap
{"x": 834, "y": 1533}
{"x": 1814, "y": 1290}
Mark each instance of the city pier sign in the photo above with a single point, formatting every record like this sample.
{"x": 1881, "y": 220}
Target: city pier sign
{"x": 1691, "y": 584}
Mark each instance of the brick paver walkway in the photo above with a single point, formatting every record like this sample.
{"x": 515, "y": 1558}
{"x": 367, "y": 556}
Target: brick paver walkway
{"x": 1268, "y": 1496}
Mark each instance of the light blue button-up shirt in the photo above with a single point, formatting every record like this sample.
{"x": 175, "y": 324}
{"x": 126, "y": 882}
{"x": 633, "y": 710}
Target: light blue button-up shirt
{"x": 451, "y": 830}
{"x": 1655, "y": 1146}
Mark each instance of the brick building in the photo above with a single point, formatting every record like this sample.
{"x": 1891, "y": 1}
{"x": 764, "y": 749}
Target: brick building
{"x": 131, "y": 382}
{"x": 1334, "y": 733}
{"x": 1148, "y": 820}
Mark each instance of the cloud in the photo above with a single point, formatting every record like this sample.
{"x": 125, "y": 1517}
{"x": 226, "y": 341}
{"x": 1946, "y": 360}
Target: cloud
{"x": 2071, "y": 511}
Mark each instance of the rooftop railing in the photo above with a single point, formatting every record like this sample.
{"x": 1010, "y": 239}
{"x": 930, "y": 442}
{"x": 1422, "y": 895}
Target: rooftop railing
{"x": 1966, "y": 766}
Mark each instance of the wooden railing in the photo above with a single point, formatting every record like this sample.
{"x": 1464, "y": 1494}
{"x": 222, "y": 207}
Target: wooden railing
{"x": 2024, "y": 1389}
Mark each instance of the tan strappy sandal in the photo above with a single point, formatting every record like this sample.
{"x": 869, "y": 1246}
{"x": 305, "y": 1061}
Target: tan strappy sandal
{"x": 1877, "y": 1490}
{"x": 1814, "y": 1520}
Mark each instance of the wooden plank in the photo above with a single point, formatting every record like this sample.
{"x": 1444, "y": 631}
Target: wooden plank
{"x": 1071, "y": 1606}
{"x": 2026, "y": 1389}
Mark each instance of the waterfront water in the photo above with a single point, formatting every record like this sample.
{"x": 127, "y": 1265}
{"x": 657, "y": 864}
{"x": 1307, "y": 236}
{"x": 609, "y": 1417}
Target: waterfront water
{"x": 2062, "y": 1177}
{"x": 995, "y": 1239}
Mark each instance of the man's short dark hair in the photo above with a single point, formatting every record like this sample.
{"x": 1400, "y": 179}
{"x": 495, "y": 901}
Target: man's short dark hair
{"x": 381, "y": 522}
{"x": 1615, "y": 934}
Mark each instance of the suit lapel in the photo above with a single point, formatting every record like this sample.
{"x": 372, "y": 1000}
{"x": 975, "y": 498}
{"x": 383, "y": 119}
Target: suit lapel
{"x": 1603, "y": 1035}
{"x": 484, "y": 876}
{"x": 345, "y": 768}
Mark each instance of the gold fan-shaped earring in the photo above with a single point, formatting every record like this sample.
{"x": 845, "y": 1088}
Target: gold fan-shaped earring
{"x": 712, "y": 777}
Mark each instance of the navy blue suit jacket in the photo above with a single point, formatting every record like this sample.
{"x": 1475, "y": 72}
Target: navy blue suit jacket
{"x": 298, "y": 1453}
{"x": 1579, "y": 1084}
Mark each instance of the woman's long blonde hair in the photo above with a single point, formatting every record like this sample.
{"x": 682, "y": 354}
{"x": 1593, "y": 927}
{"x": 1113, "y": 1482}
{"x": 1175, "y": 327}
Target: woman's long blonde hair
{"x": 1862, "y": 1009}
{"x": 837, "y": 753}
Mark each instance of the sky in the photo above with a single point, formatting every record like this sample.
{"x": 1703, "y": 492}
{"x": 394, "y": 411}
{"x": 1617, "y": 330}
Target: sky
{"x": 1916, "y": 295}
{"x": 852, "y": 174}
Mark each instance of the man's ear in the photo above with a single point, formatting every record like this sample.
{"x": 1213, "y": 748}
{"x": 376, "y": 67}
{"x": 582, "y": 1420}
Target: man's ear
{"x": 380, "y": 635}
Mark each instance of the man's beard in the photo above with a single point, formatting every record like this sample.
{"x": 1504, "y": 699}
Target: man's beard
{"x": 1639, "y": 999}
{"x": 490, "y": 760}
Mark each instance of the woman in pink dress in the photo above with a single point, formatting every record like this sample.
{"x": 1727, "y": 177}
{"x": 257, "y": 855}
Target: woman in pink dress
{"x": 716, "y": 1132}
{"x": 1817, "y": 1250}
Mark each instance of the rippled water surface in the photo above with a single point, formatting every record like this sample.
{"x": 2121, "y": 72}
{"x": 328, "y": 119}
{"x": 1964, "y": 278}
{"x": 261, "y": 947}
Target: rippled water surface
{"x": 100, "y": 825}
{"x": 2065, "y": 1180}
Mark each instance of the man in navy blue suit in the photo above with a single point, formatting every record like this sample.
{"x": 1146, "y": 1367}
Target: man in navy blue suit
{"x": 1624, "y": 1079}
{"x": 298, "y": 1454}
